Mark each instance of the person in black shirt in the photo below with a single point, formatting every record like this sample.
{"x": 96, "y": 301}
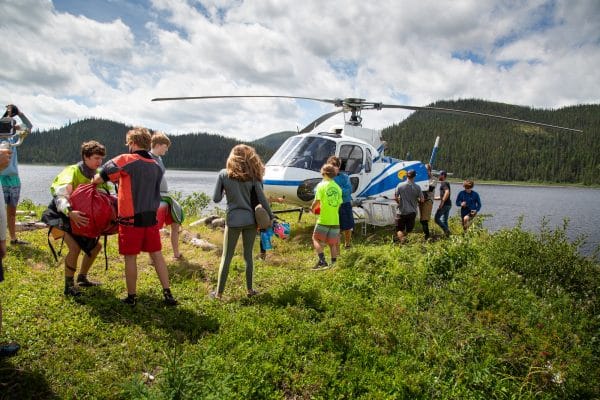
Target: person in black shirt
{"x": 443, "y": 211}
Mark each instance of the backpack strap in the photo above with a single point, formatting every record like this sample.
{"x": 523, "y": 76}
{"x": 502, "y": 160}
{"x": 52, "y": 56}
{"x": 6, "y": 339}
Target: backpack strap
{"x": 52, "y": 247}
{"x": 105, "y": 253}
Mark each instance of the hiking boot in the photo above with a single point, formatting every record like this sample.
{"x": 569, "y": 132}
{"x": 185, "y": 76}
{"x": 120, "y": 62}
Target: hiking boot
{"x": 72, "y": 291}
{"x": 320, "y": 265}
{"x": 169, "y": 300}
{"x": 130, "y": 300}
{"x": 83, "y": 281}
{"x": 9, "y": 349}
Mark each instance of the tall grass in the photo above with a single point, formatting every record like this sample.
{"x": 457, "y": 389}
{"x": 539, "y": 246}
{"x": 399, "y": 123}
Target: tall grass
{"x": 504, "y": 315}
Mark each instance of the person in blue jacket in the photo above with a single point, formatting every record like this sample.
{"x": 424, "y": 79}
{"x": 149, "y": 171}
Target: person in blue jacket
{"x": 345, "y": 211}
{"x": 469, "y": 202}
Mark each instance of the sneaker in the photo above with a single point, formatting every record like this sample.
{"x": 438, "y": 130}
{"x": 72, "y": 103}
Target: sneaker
{"x": 72, "y": 291}
{"x": 130, "y": 300}
{"x": 214, "y": 296}
{"x": 83, "y": 281}
{"x": 252, "y": 293}
{"x": 320, "y": 265}
{"x": 9, "y": 349}
{"x": 18, "y": 242}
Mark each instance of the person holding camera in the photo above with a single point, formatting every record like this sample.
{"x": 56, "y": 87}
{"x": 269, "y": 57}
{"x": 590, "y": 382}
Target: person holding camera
{"x": 6, "y": 349}
{"x": 9, "y": 177}
{"x": 469, "y": 202}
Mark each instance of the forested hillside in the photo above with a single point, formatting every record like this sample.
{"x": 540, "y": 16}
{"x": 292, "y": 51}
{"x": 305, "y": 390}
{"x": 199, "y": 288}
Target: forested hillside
{"x": 476, "y": 147}
{"x": 485, "y": 148}
{"x": 274, "y": 140}
{"x": 199, "y": 151}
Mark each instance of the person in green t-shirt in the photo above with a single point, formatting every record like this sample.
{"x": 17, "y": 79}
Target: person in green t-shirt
{"x": 328, "y": 198}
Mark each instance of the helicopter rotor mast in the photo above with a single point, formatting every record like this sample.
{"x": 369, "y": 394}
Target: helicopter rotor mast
{"x": 355, "y": 105}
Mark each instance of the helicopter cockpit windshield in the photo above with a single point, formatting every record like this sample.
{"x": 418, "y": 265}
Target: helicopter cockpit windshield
{"x": 307, "y": 152}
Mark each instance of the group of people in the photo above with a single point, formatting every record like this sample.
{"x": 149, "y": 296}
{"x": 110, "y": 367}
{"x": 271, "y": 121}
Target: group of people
{"x": 144, "y": 206}
{"x": 410, "y": 198}
{"x": 139, "y": 175}
{"x": 242, "y": 176}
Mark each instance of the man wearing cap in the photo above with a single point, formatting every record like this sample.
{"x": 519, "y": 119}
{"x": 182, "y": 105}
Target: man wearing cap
{"x": 443, "y": 211}
{"x": 408, "y": 196}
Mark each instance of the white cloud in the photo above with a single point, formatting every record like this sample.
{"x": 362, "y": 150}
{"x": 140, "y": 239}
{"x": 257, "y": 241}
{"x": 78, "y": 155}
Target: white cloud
{"x": 67, "y": 66}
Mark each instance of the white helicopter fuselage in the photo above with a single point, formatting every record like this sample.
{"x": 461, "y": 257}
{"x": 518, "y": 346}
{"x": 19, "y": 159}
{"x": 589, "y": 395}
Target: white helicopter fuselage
{"x": 294, "y": 170}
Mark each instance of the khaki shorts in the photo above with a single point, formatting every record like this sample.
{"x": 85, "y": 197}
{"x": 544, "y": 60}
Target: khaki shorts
{"x": 425, "y": 210}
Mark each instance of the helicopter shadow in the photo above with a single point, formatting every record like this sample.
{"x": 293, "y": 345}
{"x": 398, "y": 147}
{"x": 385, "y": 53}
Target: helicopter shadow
{"x": 17, "y": 382}
{"x": 179, "y": 323}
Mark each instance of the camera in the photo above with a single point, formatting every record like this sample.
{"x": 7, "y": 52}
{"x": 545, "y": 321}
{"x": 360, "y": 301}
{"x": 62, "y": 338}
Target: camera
{"x": 7, "y": 126}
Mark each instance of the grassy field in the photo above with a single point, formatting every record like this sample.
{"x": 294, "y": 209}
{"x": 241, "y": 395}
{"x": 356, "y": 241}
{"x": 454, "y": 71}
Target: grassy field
{"x": 508, "y": 315}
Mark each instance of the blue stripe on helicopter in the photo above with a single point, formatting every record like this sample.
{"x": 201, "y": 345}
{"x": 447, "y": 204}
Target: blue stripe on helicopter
{"x": 391, "y": 181}
{"x": 386, "y": 184}
{"x": 375, "y": 188}
{"x": 282, "y": 183}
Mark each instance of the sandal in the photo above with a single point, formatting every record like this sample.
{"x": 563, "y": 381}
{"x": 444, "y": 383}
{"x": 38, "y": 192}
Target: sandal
{"x": 180, "y": 257}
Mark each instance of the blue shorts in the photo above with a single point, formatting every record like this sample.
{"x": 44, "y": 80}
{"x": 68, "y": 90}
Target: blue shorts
{"x": 346, "y": 217}
{"x": 11, "y": 195}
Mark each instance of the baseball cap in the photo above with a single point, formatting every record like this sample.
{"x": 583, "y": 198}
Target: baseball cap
{"x": 411, "y": 173}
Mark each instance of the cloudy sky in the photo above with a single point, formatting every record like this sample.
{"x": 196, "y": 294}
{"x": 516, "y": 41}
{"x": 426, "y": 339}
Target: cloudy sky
{"x": 65, "y": 60}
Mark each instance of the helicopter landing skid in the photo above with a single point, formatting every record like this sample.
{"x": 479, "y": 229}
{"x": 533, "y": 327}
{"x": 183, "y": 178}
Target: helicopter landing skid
{"x": 299, "y": 210}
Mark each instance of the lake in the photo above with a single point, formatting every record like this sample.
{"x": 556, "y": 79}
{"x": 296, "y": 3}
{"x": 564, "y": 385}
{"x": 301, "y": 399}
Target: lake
{"x": 504, "y": 204}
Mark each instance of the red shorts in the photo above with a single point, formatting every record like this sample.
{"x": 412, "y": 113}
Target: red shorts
{"x": 163, "y": 215}
{"x": 134, "y": 239}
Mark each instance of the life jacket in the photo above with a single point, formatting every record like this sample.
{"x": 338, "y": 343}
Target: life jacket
{"x": 99, "y": 207}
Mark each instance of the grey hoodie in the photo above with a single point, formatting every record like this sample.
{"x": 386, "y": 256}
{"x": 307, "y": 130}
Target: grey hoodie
{"x": 239, "y": 207}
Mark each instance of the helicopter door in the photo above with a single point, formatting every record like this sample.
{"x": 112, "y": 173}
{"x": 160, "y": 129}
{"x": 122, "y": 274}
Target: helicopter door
{"x": 351, "y": 156}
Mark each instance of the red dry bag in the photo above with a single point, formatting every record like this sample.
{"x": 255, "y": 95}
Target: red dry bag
{"x": 100, "y": 207}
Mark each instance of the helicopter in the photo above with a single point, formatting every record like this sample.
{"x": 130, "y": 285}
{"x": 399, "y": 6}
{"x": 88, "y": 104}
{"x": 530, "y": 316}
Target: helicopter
{"x": 293, "y": 172}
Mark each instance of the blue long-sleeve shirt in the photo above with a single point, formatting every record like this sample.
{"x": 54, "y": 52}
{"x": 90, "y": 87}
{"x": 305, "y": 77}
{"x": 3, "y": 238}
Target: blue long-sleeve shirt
{"x": 472, "y": 199}
{"x": 343, "y": 181}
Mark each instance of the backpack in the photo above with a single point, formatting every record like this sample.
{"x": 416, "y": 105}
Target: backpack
{"x": 99, "y": 207}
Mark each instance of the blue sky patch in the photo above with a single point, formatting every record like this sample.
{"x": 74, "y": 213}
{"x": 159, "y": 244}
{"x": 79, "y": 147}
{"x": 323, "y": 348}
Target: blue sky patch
{"x": 348, "y": 68}
{"x": 134, "y": 13}
{"x": 468, "y": 55}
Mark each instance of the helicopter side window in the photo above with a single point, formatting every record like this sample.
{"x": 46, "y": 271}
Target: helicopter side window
{"x": 353, "y": 156}
{"x": 369, "y": 163}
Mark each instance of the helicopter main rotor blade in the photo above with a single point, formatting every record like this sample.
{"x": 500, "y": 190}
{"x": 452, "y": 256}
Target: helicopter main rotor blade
{"x": 459, "y": 112}
{"x": 336, "y": 102}
{"x": 356, "y": 105}
{"x": 319, "y": 121}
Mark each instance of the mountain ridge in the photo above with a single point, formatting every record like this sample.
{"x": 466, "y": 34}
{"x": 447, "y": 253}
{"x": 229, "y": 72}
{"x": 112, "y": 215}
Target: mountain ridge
{"x": 512, "y": 151}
